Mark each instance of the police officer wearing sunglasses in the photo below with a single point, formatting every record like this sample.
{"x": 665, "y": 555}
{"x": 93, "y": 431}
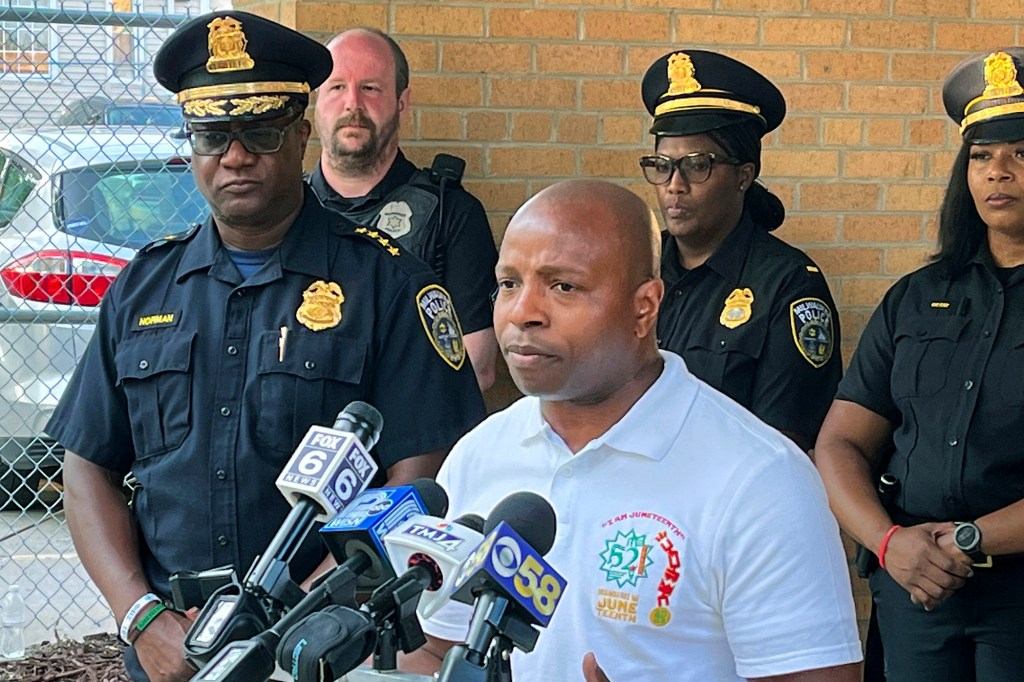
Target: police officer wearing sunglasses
{"x": 751, "y": 315}
{"x": 218, "y": 347}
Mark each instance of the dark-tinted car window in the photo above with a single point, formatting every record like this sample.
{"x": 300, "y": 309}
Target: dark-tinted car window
{"x": 16, "y": 183}
{"x": 128, "y": 206}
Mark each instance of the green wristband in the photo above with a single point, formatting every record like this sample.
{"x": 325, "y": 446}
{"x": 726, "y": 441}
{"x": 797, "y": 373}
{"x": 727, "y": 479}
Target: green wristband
{"x": 149, "y": 617}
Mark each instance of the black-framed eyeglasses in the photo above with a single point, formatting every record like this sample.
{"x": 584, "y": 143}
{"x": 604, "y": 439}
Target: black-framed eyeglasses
{"x": 266, "y": 140}
{"x": 695, "y": 168}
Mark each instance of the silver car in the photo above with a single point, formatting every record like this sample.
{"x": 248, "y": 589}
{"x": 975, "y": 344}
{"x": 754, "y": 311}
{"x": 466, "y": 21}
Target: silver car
{"x": 75, "y": 205}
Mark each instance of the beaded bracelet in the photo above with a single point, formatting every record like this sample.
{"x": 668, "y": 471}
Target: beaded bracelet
{"x": 129, "y": 618}
{"x": 885, "y": 544}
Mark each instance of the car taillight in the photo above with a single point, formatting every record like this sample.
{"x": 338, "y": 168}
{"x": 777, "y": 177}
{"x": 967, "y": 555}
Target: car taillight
{"x": 69, "y": 277}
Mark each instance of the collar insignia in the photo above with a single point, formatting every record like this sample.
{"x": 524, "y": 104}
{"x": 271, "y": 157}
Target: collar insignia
{"x": 737, "y": 309}
{"x": 227, "y": 44}
{"x": 321, "y": 306}
{"x": 681, "y": 75}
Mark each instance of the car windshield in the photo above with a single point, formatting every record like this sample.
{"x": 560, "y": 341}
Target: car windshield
{"x": 145, "y": 115}
{"x": 128, "y": 206}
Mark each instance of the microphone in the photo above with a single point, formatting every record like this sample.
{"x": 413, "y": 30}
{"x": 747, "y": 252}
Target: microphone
{"x": 511, "y": 584}
{"x": 440, "y": 544}
{"x": 329, "y": 468}
{"x": 370, "y": 515}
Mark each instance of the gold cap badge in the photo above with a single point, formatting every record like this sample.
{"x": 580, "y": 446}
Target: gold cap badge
{"x": 227, "y": 46}
{"x": 737, "y": 308}
{"x": 1000, "y": 77}
{"x": 321, "y": 306}
{"x": 681, "y": 75}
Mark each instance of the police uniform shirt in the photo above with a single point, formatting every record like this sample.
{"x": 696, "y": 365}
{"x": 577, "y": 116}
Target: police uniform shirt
{"x": 757, "y": 322}
{"x": 942, "y": 360}
{"x": 460, "y": 249}
{"x": 185, "y": 382}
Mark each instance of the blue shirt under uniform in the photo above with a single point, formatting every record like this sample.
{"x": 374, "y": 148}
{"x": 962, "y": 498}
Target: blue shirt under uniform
{"x": 184, "y": 382}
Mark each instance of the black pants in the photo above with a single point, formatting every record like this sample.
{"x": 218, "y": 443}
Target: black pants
{"x": 977, "y": 635}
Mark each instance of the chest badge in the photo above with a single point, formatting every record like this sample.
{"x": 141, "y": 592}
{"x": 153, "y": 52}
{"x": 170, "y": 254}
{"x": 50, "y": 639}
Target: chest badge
{"x": 321, "y": 306}
{"x": 737, "y": 308}
{"x": 811, "y": 320}
{"x": 395, "y": 219}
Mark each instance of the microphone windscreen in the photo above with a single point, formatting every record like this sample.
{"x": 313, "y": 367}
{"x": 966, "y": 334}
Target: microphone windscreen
{"x": 528, "y": 514}
{"x": 362, "y": 419}
{"x": 471, "y": 521}
{"x": 435, "y": 499}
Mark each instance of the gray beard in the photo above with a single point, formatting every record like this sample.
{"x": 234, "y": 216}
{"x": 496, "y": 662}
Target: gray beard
{"x": 362, "y": 161}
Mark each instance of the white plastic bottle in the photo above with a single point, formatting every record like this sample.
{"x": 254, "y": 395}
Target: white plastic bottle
{"x": 12, "y": 624}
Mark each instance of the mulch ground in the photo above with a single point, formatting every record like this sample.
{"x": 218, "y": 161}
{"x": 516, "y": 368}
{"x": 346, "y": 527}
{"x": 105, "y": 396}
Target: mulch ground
{"x": 98, "y": 658}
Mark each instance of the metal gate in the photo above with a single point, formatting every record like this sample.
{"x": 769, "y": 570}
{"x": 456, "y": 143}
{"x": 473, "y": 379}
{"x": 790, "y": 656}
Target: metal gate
{"x": 90, "y": 170}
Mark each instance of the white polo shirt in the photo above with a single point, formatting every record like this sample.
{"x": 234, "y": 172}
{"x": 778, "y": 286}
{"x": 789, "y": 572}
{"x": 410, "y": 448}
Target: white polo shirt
{"x": 697, "y": 541}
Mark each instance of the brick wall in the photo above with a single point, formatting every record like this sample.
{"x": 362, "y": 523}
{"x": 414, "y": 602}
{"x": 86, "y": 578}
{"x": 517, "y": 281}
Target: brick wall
{"x": 535, "y": 91}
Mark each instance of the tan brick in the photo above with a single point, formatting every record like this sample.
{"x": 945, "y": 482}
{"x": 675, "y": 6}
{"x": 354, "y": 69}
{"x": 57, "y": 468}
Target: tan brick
{"x": 630, "y": 25}
{"x": 571, "y": 3}
{"x": 805, "y": 229}
{"x": 431, "y": 19}
{"x": 499, "y": 223}
{"x": 839, "y": 196}
{"x": 421, "y": 54}
{"x": 891, "y": 34}
{"x": 526, "y": 161}
{"x": 885, "y": 132}
{"x": 914, "y": 197}
{"x": 485, "y": 57}
{"x": 932, "y": 8}
{"x": 785, "y": 191}
{"x": 923, "y": 67}
{"x": 931, "y": 230}
{"x": 440, "y": 125}
{"x": 534, "y": 93}
{"x": 498, "y": 195}
{"x": 969, "y": 36}
{"x": 929, "y": 132}
{"x": 623, "y": 130}
{"x": 865, "y": 292}
{"x": 716, "y": 29}
{"x": 816, "y": 98}
{"x": 940, "y": 164}
{"x": 332, "y": 17}
{"x": 452, "y": 91}
{"x": 847, "y": 261}
{"x": 487, "y": 125}
{"x": 589, "y": 59}
{"x": 799, "y": 130}
{"x": 577, "y": 128}
{"x": 787, "y": 31}
{"x": 901, "y": 260}
{"x": 638, "y": 59}
{"x": 845, "y": 132}
{"x": 883, "y": 164}
{"x": 605, "y": 95}
{"x": 859, "y": 7}
{"x": 1003, "y": 9}
{"x": 881, "y": 228}
{"x": 532, "y": 23}
{"x": 751, "y": 6}
{"x": 423, "y": 153}
{"x": 772, "y": 63}
{"x": 845, "y": 66}
{"x": 888, "y": 99}
{"x": 530, "y": 126}
{"x": 609, "y": 163}
{"x": 673, "y": 5}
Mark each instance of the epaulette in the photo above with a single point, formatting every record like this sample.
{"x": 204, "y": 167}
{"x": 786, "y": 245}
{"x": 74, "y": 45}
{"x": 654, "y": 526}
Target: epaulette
{"x": 176, "y": 237}
{"x": 379, "y": 238}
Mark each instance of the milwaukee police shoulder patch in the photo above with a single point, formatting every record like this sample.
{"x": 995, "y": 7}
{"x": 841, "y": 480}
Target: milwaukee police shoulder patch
{"x": 441, "y": 324}
{"x": 811, "y": 321}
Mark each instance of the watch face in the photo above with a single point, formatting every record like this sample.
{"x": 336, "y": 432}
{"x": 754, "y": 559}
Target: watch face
{"x": 965, "y": 536}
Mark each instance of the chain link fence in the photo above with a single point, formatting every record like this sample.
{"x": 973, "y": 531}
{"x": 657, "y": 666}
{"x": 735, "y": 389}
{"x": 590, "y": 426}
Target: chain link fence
{"x": 93, "y": 165}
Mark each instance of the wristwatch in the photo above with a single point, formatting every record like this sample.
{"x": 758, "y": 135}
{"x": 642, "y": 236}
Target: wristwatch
{"x": 967, "y": 538}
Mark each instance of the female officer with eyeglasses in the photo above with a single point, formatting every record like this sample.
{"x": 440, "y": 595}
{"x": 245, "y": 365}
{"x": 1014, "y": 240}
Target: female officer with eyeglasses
{"x": 751, "y": 315}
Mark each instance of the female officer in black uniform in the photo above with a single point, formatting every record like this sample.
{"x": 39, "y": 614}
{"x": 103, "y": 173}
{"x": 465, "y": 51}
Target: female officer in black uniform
{"x": 751, "y": 315}
{"x": 939, "y": 371}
